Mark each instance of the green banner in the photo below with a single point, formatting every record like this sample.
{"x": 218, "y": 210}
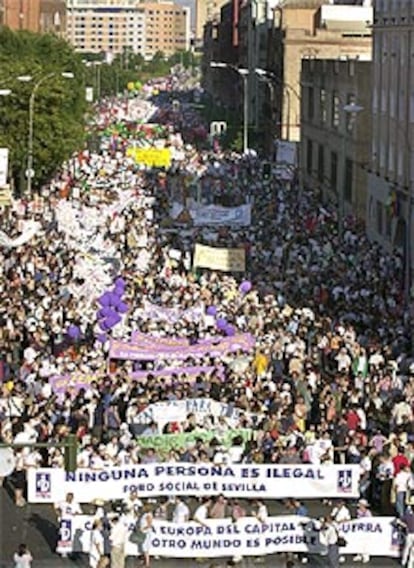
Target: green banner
{"x": 167, "y": 442}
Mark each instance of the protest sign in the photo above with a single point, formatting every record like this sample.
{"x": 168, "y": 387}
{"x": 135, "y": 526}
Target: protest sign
{"x": 73, "y": 382}
{"x": 213, "y": 215}
{"x": 151, "y": 157}
{"x": 50, "y": 485}
{"x": 216, "y": 215}
{"x": 223, "y": 259}
{"x": 376, "y": 536}
{"x": 214, "y": 348}
{"x": 29, "y": 230}
{"x": 170, "y": 315}
{"x": 163, "y": 443}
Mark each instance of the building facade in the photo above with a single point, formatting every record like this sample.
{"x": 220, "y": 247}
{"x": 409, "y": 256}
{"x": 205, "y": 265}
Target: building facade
{"x": 38, "y": 16}
{"x": 112, "y": 26}
{"x": 336, "y": 140}
{"x": 277, "y": 37}
{"x": 391, "y": 176}
{"x": 318, "y": 32}
{"x": 167, "y": 28}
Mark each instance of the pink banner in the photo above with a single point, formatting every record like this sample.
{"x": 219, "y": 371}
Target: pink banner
{"x": 164, "y": 350}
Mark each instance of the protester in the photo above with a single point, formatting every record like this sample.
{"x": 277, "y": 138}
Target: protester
{"x": 145, "y": 526}
{"x": 118, "y": 538}
{"x": 96, "y": 549}
{"x": 22, "y": 558}
{"x": 328, "y": 377}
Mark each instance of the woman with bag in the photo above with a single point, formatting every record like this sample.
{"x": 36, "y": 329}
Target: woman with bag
{"x": 145, "y": 527}
{"x": 96, "y": 550}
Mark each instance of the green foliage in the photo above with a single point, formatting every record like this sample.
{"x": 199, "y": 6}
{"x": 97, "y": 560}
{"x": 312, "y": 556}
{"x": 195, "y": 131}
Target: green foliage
{"x": 59, "y": 104}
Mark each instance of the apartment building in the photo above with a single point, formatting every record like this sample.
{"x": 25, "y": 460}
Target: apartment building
{"x": 167, "y": 28}
{"x": 111, "y": 26}
{"x": 391, "y": 176}
{"x": 34, "y": 15}
{"x": 336, "y": 131}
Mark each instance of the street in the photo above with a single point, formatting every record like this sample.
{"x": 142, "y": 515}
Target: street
{"x": 36, "y": 526}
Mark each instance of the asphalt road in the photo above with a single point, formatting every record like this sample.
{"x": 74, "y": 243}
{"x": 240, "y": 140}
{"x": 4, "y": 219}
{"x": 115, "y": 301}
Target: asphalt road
{"x": 36, "y": 526}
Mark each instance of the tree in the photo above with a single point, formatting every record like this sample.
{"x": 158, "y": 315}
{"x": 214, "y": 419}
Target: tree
{"x": 59, "y": 103}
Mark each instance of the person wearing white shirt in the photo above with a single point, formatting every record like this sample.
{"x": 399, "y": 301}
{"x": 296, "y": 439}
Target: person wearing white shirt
{"x": 181, "y": 512}
{"x": 401, "y": 484}
{"x": 329, "y": 537}
{"x": 341, "y": 514}
{"x": 68, "y": 508}
{"x": 201, "y": 513}
{"x": 96, "y": 550}
{"x": 118, "y": 539}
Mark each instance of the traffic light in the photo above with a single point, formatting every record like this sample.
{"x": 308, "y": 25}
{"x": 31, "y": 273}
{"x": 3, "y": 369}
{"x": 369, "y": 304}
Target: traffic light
{"x": 71, "y": 453}
{"x": 267, "y": 170}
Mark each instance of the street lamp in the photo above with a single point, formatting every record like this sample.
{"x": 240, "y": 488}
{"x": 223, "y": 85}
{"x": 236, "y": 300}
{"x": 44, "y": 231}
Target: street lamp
{"x": 351, "y": 109}
{"x": 29, "y": 169}
{"x": 244, "y": 75}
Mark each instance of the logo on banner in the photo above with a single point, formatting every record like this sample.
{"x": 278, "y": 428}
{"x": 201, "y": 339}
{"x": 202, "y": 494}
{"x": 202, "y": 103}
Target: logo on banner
{"x": 397, "y": 538}
{"x": 43, "y": 485}
{"x": 65, "y": 532}
{"x": 344, "y": 484}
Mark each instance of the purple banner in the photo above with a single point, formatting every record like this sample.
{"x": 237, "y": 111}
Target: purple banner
{"x": 145, "y": 340}
{"x": 75, "y": 381}
{"x": 215, "y": 348}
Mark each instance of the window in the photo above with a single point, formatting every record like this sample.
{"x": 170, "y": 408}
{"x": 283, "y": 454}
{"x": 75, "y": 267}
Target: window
{"x": 321, "y": 163}
{"x": 322, "y": 105}
{"x": 335, "y": 110}
{"x": 311, "y": 103}
{"x": 334, "y": 171}
{"x": 388, "y": 222}
{"x": 309, "y": 156}
{"x": 348, "y": 180}
{"x": 350, "y": 116}
{"x": 379, "y": 217}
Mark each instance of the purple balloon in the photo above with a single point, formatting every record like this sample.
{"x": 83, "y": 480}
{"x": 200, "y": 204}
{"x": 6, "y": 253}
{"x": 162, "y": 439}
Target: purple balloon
{"x": 113, "y": 299}
{"x": 245, "y": 286}
{"x": 122, "y": 308}
{"x": 102, "y": 337}
{"x": 221, "y": 324}
{"x": 105, "y": 312}
{"x": 73, "y": 331}
{"x": 113, "y": 320}
{"x": 120, "y": 283}
{"x": 118, "y": 292}
{"x": 104, "y": 325}
{"x": 105, "y": 299}
{"x": 211, "y": 311}
{"x": 230, "y": 331}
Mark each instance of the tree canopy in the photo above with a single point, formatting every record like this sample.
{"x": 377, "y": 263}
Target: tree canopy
{"x": 59, "y": 103}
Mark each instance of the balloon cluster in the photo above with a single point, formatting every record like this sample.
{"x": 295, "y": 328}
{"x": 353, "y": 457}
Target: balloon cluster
{"x": 112, "y": 306}
{"x": 221, "y": 323}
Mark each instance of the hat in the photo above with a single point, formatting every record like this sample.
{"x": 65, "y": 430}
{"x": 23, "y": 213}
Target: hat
{"x": 363, "y": 503}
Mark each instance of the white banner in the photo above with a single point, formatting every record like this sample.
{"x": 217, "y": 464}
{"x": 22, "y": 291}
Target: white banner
{"x": 216, "y": 215}
{"x": 4, "y": 166}
{"x": 376, "y": 536}
{"x": 178, "y": 411}
{"x": 50, "y": 485}
{"x": 30, "y": 229}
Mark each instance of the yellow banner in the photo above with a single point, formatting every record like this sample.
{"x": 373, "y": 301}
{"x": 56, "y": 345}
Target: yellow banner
{"x": 152, "y": 157}
{"x": 227, "y": 260}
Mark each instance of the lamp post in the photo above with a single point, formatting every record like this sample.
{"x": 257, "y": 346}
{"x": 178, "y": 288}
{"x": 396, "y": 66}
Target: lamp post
{"x": 244, "y": 73}
{"x": 352, "y": 109}
{"x": 29, "y": 169}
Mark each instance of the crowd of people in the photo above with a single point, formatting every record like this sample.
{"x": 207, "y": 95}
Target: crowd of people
{"x": 330, "y": 378}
